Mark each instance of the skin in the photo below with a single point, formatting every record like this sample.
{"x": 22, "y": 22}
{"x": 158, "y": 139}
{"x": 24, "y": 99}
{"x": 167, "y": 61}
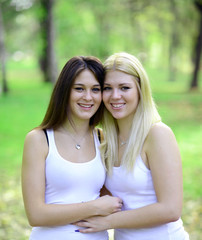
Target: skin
{"x": 160, "y": 153}
{"x": 85, "y": 99}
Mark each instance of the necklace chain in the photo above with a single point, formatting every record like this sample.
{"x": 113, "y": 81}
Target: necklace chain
{"x": 78, "y": 143}
{"x": 122, "y": 143}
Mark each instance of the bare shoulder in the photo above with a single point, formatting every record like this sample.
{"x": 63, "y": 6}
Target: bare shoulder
{"x": 35, "y": 140}
{"x": 160, "y": 134}
{"x": 161, "y": 147}
{"x": 35, "y": 150}
{"x": 35, "y": 136}
{"x": 159, "y": 131}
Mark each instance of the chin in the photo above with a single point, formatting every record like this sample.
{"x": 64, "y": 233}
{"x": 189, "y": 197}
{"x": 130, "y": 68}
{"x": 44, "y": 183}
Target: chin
{"x": 88, "y": 117}
{"x": 117, "y": 117}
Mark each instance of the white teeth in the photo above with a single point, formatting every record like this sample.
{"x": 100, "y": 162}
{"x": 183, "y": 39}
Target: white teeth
{"x": 86, "y": 106}
{"x": 117, "y": 105}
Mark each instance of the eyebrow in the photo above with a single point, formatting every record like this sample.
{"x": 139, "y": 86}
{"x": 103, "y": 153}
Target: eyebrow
{"x": 121, "y": 84}
{"x": 80, "y": 84}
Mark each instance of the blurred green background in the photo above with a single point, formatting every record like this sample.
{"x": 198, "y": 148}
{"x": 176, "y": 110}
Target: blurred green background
{"x": 37, "y": 37}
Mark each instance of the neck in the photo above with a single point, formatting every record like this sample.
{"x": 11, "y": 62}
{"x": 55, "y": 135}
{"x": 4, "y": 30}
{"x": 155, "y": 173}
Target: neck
{"x": 124, "y": 129}
{"x": 76, "y": 128}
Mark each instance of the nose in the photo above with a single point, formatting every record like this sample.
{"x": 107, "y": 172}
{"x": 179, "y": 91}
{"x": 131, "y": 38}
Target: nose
{"x": 116, "y": 94}
{"x": 87, "y": 95}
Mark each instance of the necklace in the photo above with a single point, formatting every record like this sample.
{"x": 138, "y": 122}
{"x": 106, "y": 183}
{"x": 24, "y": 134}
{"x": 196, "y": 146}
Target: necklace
{"x": 78, "y": 142}
{"x": 123, "y": 143}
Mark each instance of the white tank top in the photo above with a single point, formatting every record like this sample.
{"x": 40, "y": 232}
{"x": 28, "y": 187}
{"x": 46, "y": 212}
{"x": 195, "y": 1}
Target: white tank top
{"x": 68, "y": 182}
{"x": 136, "y": 190}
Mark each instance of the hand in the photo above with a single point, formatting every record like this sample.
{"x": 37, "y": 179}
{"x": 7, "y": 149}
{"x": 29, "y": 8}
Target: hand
{"x": 106, "y": 205}
{"x": 93, "y": 224}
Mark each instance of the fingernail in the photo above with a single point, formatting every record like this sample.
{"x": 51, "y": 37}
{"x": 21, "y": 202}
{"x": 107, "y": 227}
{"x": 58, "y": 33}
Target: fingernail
{"x": 77, "y": 230}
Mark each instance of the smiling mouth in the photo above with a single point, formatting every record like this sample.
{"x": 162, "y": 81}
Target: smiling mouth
{"x": 118, "y": 105}
{"x": 87, "y": 106}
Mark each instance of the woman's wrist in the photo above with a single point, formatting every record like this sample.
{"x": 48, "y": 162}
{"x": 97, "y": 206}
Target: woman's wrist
{"x": 109, "y": 221}
{"x": 92, "y": 207}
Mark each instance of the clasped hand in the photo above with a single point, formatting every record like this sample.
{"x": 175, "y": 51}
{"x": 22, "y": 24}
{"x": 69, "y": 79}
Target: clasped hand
{"x": 93, "y": 224}
{"x": 106, "y": 205}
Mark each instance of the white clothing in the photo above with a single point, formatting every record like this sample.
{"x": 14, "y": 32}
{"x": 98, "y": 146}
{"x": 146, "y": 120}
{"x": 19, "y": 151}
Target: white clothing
{"x": 136, "y": 190}
{"x": 66, "y": 183}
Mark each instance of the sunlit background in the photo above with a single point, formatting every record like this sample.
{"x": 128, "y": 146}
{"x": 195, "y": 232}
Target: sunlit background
{"x": 37, "y": 37}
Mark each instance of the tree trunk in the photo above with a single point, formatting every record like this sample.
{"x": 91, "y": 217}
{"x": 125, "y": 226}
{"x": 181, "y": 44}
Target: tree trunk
{"x": 48, "y": 59}
{"x": 173, "y": 43}
{"x": 198, "y": 48}
{"x": 3, "y": 55}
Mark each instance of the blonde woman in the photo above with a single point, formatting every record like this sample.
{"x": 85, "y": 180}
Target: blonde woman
{"x": 142, "y": 159}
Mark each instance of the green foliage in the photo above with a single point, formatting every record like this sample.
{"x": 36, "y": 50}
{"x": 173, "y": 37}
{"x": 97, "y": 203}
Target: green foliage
{"x": 103, "y": 27}
{"x": 21, "y": 111}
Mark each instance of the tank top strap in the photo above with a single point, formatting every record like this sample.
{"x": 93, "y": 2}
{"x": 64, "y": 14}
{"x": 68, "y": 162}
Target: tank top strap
{"x": 51, "y": 139}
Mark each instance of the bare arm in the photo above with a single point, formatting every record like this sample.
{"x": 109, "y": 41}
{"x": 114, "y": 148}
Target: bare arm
{"x": 33, "y": 187}
{"x": 165, "y": 163}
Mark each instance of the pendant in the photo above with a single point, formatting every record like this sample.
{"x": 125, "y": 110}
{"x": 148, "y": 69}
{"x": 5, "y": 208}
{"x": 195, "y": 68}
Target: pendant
{"x": 77, "y": 146}
{"x": 123, "y": 143}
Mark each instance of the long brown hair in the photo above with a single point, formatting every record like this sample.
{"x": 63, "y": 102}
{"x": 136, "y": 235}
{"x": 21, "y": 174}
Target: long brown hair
{"x": 56, "y": 113}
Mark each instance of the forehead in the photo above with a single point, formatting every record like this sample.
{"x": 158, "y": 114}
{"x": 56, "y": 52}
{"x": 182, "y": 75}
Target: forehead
{"x": 118, "y": 77}
{"x": 86, "y": 77}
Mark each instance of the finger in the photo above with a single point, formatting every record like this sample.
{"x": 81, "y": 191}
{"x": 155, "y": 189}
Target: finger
{"x": 117, "y": 210}
{"x": 120, "y": 206}
{"x": 74, "y": 223}
{"x": 82, "y": 224}
{"x": 87, "y": 230}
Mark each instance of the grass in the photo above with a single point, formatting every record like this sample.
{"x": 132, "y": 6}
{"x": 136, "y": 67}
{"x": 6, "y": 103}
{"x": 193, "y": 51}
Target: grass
{"x": 24, "y": 107}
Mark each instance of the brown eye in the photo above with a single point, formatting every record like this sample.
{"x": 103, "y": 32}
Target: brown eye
{"x": 125, "y": 88}
{"x": 96, "y": 89}
{"x": 79, "y": 89}
{"x": 107, "y": 88}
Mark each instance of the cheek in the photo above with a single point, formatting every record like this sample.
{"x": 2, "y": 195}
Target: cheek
{"x": 98, "y": 98}
{"x": 105, "y": 97}
{"x": 74, "y": 96}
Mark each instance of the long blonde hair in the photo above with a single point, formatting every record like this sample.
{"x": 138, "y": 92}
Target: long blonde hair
{"x": 145, "y": 115}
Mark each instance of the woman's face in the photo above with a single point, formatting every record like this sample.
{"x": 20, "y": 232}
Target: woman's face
{"x": 85, "y": 96}
{"x": 120, "y": 95}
